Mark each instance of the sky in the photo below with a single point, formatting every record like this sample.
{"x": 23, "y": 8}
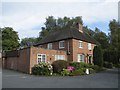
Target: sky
{"x": 28, "y": 16}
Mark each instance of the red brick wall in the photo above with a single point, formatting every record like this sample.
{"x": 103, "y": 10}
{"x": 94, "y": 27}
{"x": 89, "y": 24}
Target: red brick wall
{"x": 77, "y": 50}
{"x": 20, "y": 63}
{"x": 55, "y": 46}
{"x": 74, "y": 48}
{"x": 50, "y": 55}
{"x": 11, "y": 63}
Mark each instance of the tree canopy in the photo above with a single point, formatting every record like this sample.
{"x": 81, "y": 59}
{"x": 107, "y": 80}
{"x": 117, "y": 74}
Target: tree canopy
{"x": 10, "y": 39}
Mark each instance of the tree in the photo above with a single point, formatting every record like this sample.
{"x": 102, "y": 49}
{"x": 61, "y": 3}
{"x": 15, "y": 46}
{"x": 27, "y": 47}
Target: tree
{"x": 28, "y": 42}
{"x": 10, "y": 39}
{"x": 114, "y": 37}
{"x": 98, "y": 56}
{"x": 102, "y": 38}
{"x": 58, "y": 24}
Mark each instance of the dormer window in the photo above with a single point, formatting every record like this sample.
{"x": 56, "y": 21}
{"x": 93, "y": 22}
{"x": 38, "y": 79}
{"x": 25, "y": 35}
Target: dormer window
{"x": 62, "y": 44}
{"x": 80, "y": 44}
{"x": 49, "y": 46}
{"x": 89, "y": 46}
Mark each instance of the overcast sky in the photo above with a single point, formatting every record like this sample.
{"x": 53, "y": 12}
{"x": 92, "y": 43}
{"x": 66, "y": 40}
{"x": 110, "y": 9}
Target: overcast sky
{"x": 27, "y": 18}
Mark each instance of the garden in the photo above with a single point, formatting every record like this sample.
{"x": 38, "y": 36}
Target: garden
{"x": 64, "y": 68}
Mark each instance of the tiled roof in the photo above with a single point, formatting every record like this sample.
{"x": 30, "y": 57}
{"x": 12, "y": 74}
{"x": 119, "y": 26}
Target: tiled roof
{"x": 58, "y": 35}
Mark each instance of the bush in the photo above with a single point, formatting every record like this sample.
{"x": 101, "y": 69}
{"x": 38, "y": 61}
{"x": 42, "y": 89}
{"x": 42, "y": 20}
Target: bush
{"x": 42, "y": 69}
{"x": 79, "y": 65}
{"x": 97, "y": 68}
{"x": 98, "y": 56}
{"x": 117, "y": 65}
{"x": 59, "y": 65}
{"x": 65, "y": 72}
{"x": 77, "y": 72}
{"x": 108, "y": 65}
{"x": 91, "y": 70}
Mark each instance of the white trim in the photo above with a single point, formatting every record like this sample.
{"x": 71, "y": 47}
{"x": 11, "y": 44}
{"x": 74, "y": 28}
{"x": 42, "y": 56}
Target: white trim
{"x": 81, "y": 44}
{"x": 58, "y": 57}
{"x": 79, "y": 57}
{"x": 60, "y": 46}
{"x": 41, "y": 55}
{"x": 48, "y": 45}
{"x": 89, "y": 46}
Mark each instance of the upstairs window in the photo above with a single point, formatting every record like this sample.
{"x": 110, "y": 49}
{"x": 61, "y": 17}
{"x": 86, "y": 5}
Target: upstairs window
{"x": 62, "y": 44}
{"x": 80, "y": 44}
{"x": 49, "y": 46}
{"x": 89, "y": 46}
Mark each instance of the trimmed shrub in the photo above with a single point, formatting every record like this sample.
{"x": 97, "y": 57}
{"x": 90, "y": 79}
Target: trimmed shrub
{"x": 77, "y": 72}
{"x": 42, "y": 69}
{"x": 108, "y": 65}
{"x": 59, "y": 65}
{"x": 98, "y": 56}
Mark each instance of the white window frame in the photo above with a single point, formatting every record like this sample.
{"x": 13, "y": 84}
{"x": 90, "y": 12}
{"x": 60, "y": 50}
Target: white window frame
{"x": 49, "y": 46}
{"x": 59, "y": 57}
{"x": 89, "y": 46}
{"x": 60, "y": 44}
{"x": 80, "y": 44}
{"x": 81, "y": 57}
{"x": 41, "y": 58}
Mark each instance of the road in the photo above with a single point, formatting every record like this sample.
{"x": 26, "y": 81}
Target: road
{"x": 104, "y": 79}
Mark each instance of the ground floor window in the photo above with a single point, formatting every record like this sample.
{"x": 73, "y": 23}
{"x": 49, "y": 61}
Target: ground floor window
{"x": 59, "y": 57}
{"x": 41, "y": 58}
{"x": 81, "y": 57}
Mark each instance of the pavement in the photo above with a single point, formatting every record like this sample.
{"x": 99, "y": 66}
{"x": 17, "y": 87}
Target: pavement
{"x": 104, "y": 79}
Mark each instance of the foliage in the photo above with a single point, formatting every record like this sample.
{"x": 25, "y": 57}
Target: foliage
{"x": 77, "y": 72}
{"x": 97, "y": 68}
{"x": 117, "y": 65}
{"x": 79, "y": 65}
{"x": 91, "y": 70}
{"x": 58, "y": 24}
{"x": 59, "y": 65}
{"x": 114, "y": 36}
{"x": 65, "y": 72}
{"x": 108, "y": 65}
{"x": 10, "y": 39}
{"x": 42, "y": 69}
{"x": 28, "y": 42}
{"x": 98, "y": 56}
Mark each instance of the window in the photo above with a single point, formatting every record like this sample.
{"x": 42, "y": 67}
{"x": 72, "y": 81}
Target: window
{"x": 59, "y": 57}
{"x": 80, "y": 44}
{"x": 41, "y": 58}
{"x": 80, "y": 58}
{"x": 61, "y": 44}
{"x": 49, "y": 45}
{"x": 89, "y": 46}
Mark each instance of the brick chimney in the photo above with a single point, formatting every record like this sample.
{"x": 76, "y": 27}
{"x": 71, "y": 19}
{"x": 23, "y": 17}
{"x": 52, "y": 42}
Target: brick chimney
{"x": 79, "y": 27}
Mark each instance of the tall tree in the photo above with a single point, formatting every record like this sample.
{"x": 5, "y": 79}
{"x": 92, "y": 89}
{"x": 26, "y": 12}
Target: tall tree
{"x": 58, "y": 24}
{"x": 10, "y": 39}
{"x": 114, "y": 49}
{"x": 102, "y": 38}
{"x": 28, "y": 42}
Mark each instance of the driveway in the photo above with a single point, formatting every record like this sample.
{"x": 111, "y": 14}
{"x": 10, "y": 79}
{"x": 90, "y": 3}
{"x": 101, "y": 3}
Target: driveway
{"x": 104, "y": 79}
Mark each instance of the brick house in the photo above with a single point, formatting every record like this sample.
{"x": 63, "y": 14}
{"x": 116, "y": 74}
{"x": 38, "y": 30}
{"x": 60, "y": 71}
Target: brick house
{"x": 73, "y": 45}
